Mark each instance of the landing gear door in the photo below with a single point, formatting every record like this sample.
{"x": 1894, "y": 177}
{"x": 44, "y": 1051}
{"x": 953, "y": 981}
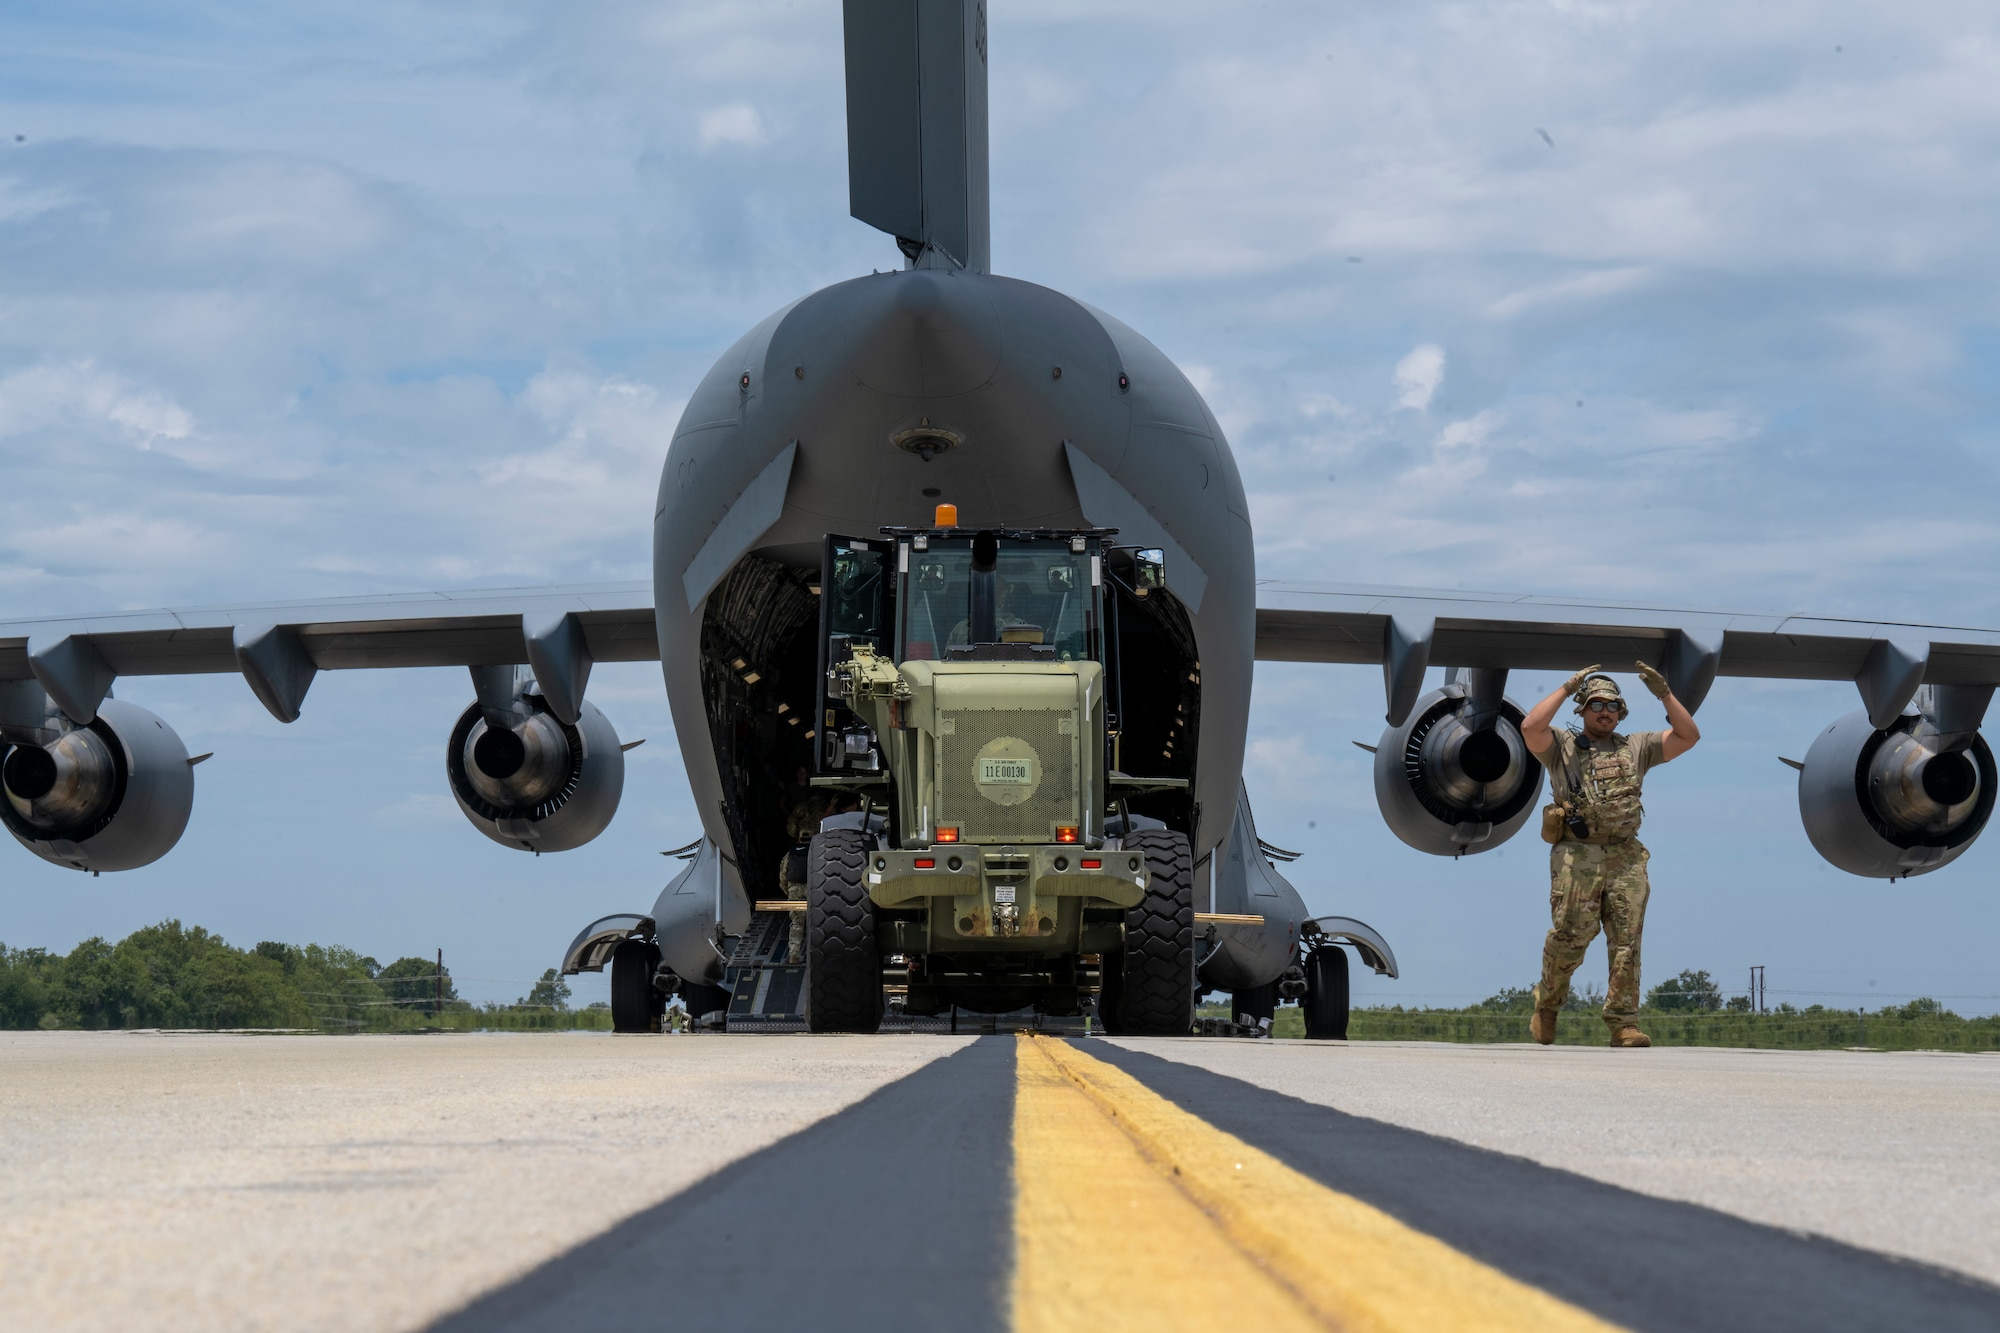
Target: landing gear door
{"x": 857, "y": 605}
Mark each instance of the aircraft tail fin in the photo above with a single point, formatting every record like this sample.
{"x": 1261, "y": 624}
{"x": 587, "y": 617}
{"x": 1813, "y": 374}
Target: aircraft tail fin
{"x": 916, "y": 126}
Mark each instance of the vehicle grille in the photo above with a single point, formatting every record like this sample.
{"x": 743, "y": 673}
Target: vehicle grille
{"x": 1051, "y": 735}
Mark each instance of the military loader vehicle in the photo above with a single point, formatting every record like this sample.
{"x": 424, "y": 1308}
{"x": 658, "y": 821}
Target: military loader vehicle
{"x": 972, "y": 705}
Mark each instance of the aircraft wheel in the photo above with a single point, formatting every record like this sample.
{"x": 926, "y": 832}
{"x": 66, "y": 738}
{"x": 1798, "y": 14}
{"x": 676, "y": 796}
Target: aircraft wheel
{"x": 843, "y": 970}
{"x": 1325, "y": 1001}
{"x": 1255, "y": 1007}
{"x": 1155, "y": 992}
{"x": 635, "y": 1005}
{"x": 702, "y": 1000}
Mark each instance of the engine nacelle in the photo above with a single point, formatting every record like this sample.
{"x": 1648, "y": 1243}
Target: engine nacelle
{"x": 112, "y": 795}
{"x": 1886, "y": 804}
{"x": 1456, "y": 777}
{"x": 537, "y": 783}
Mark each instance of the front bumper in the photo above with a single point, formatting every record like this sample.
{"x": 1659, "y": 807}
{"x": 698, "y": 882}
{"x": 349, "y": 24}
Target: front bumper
{"x": 979, "y": 892}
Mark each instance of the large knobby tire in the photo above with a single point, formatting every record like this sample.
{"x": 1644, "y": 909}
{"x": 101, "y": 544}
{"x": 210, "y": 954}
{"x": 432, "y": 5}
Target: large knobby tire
{"x": 635, "y": 1005}
{"x": 843, "y": 971}
{"x": 1154, "y": 994}
{"x": 1325, "y": 1002}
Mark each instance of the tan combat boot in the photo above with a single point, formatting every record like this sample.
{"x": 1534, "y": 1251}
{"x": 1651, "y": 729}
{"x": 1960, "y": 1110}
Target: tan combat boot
{"x": 1630, "y": 1038}
{"x": 1542, "y": 1027}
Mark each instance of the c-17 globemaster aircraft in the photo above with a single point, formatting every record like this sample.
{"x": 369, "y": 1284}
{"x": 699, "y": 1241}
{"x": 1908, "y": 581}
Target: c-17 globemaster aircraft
{"x": 976, "y": 556}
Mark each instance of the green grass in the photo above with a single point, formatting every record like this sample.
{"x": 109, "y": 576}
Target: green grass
{"x": 465, "y": 1019}
{"x": 1826, "y": 1030}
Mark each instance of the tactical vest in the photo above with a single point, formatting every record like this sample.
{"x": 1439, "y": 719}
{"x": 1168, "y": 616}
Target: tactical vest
{"x": 1607, "y": 794}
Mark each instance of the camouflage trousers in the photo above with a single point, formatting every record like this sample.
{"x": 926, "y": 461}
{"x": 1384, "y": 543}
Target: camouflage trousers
{"x": 795, "y": 945}
{"x": 1590, "y": 888}
{"x": 795, "y": 942}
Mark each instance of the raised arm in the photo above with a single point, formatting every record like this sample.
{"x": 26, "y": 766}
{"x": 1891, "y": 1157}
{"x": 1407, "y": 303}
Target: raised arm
{"x": 1535, "y": 733}
{"x": 1683, "y": 733}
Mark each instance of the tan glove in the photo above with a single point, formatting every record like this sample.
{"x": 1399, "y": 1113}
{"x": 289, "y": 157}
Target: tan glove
{"x": 1655, "y": 682}
{"x": 1575, "y": 682}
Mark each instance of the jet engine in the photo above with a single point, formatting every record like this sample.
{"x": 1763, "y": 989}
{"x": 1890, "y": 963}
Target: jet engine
{"x": 527, "y": 779}
{"x": 1895, "y": 802}
{"x": 1456, "y": 777}
{"x": 114, "y": 794}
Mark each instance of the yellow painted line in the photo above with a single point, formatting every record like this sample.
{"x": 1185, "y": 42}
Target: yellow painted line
{"x": 1132, "y": 1213}
{"x": 1103, "y": 1241}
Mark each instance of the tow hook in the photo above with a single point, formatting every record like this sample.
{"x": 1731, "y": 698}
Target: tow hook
{"x": 1006, "y": 911}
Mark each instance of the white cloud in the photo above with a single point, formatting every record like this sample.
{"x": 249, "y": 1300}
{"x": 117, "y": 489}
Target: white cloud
{"x": 605, "y": 440}
{"x": 1418, "y": 376}
{"x": 1582, "y": 288}
{"x": 737, "y": 125}
{"x": 80, "y": 396}
{"x": 1467, "y": 435}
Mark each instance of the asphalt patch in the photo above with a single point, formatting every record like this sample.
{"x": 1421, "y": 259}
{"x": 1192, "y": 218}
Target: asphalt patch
{"x": 1649, "y": 1264}
{"x": 897, "y": 1213}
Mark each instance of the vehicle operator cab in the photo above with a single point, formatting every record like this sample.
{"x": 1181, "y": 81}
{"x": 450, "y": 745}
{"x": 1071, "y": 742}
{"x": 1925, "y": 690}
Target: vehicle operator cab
{"x": 970, "y": 700}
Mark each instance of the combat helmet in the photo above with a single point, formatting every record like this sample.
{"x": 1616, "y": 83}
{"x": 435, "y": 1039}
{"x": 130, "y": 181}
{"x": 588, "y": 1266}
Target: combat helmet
{"x": 1599, "y": 686}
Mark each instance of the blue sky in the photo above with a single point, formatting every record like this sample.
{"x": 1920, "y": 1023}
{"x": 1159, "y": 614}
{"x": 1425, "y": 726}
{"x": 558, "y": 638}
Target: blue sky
{"x": 1692, "y": 302}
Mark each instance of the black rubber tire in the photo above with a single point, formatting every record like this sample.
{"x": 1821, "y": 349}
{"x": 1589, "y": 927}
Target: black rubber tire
{"x": 1248, "y": 1007}
{"x": 1325, "y": 1002}
{"x": 1154, "y": 996}
{"x": 635, "y": 1005}
{"x": 700, "y": 1000}
{"x": 843, "y": 970}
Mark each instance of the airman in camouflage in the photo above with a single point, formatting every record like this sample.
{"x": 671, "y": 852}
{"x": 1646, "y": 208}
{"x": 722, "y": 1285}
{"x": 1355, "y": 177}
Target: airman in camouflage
{"x": 800, "y": 825}
{"x": 804, "y": 821}
{"x": 1597, "y": 867}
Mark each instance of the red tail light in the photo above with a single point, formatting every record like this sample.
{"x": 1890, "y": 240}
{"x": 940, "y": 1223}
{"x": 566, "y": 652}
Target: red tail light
{"x": 927, "y": 863}
{"x": 1091, "y": 863}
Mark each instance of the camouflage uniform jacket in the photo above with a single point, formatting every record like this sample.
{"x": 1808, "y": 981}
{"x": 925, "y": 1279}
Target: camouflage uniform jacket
{"x": 804, "y": 819}
{"x": 1602, "y": 779}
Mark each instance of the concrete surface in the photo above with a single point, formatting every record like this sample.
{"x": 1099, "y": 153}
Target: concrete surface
{"x": 169, "y": 1181}
{"x": 212, "y": 1181}
{"x": 1892, "y": 1151}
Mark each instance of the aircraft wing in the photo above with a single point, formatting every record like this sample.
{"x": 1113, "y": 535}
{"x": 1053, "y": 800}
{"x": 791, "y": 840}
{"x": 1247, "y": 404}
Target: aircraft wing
{"x": 1407, "y": 629}
{"x": 278, "y": 646}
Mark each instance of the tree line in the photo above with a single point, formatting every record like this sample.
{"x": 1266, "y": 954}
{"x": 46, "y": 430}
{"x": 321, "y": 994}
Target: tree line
{"x": 1694, "y": 992}
{"x": 175, "y": 976}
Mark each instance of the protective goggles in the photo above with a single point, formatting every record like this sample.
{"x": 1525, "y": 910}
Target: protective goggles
{"x": 1604, "y": 706}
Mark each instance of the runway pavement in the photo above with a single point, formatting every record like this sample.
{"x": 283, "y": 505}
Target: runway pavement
{"x": 475, "y": 1182}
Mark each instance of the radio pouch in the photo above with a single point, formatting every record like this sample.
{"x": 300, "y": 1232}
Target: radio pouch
{"x": 1560, "y": 815}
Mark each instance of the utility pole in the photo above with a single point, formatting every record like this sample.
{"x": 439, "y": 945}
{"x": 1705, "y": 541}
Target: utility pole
{"x": 437, "y": 1005}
